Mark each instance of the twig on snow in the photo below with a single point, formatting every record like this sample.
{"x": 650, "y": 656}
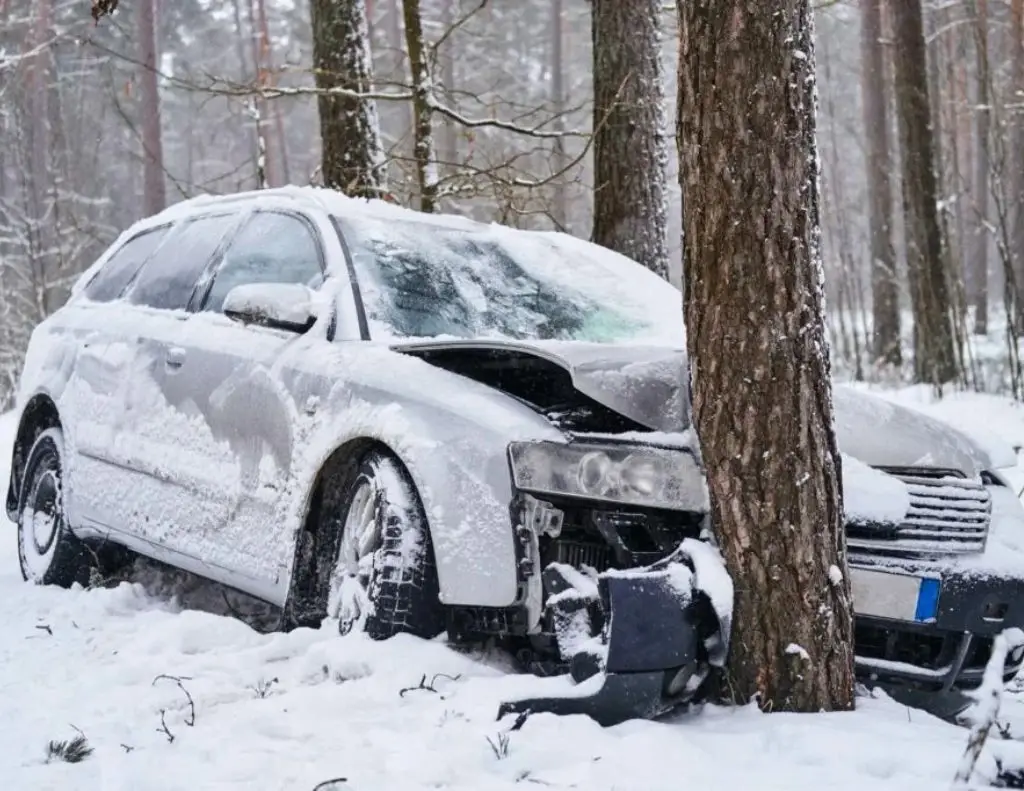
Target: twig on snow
{"x": 190, "y": 719}
{"x": 423, "y": 685}
{"x": 329, "y": 785}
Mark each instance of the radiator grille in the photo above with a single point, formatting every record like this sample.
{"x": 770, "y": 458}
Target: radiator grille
{"x": 948, "y": 515}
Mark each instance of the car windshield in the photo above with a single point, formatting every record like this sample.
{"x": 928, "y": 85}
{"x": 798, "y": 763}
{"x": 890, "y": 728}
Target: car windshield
{"x": 430, "y": 280}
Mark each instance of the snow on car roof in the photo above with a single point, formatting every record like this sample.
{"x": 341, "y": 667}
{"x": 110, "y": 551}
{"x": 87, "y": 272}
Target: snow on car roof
{"x": 579, "y": 265}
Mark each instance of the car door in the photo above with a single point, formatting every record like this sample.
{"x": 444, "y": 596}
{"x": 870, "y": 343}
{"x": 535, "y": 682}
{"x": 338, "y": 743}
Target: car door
{"x": 163, "y": 439}
{"x": 93, "y": 402}
{"x": 228, "y": 376}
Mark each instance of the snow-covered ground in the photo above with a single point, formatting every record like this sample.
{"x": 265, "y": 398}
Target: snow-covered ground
{"x": 276, "y": 711}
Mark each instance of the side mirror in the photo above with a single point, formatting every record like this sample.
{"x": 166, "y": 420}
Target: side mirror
{"x": 283, "y": 306}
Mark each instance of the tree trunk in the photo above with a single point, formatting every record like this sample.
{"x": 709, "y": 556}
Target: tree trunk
{"x": 423, "y": 115}
{"x": 885, "y": 286}
{"x": 282, "y": 174}
{"x": 449, "y": 16}
{"x": 934, "y": 354}
{"x": 630, "y": 149}
{"x": 560, "y": 214}
{"x": 1016, "y": 157}
{"x": 756, "y": 331}
{"x": 258, "y": 105}
{"x": 353, "y": 159}
{"x": 154, "y": 194}
{"x": 977, "y": 267}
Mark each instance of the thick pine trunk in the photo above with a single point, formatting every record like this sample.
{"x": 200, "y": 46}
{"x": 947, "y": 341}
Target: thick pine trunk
{"x": 630, "y": 149}
{"x": 885, "y": 287}
{"x": 934, "y": 353}
{"x": 353, "y": 158}
{"x": 423, "y": 113}
{"x": 762, "y": 393}
{"x": 154, "y": 194}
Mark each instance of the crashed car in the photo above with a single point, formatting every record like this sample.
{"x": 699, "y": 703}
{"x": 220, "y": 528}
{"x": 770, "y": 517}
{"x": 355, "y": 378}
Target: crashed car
{"x": 425, "y": 424}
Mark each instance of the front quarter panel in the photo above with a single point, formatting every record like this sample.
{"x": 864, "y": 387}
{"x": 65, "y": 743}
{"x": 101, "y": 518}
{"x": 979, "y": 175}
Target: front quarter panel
{"x": 451, "y": 433}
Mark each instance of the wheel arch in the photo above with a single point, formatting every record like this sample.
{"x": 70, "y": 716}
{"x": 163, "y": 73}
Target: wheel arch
{"x": 39, "y": 414}
{"x": 335, "y": 471}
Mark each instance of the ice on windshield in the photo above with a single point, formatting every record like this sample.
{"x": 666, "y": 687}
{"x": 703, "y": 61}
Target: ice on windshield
{"x": 426, "y": 280}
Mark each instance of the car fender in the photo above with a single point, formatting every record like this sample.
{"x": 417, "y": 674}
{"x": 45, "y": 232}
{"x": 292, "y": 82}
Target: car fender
{"x": 451, "y": 433}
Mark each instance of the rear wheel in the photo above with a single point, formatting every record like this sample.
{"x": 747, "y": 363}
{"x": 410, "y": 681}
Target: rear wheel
{"x": 48, "y": 552}
{"x": 385, "y": 576}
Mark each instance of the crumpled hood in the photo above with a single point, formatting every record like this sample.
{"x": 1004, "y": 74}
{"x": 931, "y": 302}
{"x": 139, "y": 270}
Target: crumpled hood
{"x": 643, "y": 383}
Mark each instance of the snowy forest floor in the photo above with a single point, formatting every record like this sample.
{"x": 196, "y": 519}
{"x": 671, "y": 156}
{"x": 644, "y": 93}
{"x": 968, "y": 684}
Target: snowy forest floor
{"x": 289, "y": 711}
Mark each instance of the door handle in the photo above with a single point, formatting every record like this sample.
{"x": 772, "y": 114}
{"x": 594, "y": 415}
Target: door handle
{"x": 175, "y": 357}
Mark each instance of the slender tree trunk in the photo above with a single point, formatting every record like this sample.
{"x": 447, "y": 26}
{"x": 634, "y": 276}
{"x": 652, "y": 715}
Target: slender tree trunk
{"x": 561, "y": 207}
{"x": 756, "y": 331}
{"x": 630, "y": 149}
{"x": 449, "y": 15}
{"x": 258, "y": 105}
{"x": 423, "y": 114}
{"x": 1016, "y": 158}
{"x": 977, "y": 271}
{"x": 934, "y": 353}
{"x": 885, "y": 287}
{"x": 353, "y": 159}
{"x": 154, "y": 194}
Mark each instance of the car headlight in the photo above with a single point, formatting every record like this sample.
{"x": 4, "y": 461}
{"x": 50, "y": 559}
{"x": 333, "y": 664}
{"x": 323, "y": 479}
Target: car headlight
{"x": 648, "y": 477}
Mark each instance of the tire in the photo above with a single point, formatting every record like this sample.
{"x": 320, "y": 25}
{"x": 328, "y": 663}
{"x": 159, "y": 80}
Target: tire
{"x": 48, "y": 552}
{"x": 384, "y": 575}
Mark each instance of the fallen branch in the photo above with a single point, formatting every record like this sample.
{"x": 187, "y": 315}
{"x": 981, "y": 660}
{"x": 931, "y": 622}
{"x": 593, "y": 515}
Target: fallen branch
{"x": 986, "y": 710}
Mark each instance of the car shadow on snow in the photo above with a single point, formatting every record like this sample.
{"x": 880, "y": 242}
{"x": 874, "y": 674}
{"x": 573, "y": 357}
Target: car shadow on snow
{"x": 187, "y": 591}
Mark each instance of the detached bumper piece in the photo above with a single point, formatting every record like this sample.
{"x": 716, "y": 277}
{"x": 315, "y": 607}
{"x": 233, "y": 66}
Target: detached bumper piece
{"x": 654, "y": 644}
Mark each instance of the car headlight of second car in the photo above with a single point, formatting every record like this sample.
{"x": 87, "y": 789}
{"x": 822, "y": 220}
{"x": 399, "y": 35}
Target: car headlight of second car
{"x": 636, "y": 475}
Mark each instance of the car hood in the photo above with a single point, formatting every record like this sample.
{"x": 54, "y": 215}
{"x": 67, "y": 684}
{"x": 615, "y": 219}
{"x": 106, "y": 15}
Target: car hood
{"x": 643, "y": 383}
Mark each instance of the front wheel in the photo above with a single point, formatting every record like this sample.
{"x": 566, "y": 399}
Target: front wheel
{"x": 48, "y": 552}
{"x": 385, "y": 575}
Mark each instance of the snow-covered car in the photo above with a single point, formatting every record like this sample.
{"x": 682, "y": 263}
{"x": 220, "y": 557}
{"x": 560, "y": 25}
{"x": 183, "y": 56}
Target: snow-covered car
{"x": 425, "y": 424}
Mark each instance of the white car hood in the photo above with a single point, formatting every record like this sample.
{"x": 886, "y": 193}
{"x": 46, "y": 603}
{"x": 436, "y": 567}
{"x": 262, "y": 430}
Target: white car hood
{"x": 643, "y": 383}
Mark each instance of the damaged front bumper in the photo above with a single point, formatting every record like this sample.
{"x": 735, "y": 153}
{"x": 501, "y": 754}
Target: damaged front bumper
{"x": 924, "y": 635}
{"x": 657, "y": 645}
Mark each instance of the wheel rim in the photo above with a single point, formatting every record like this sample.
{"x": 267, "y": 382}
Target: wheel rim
{"x": 360, "y": 536}
{"x": 43, "y": 519}
{"x": 360, "y": 539}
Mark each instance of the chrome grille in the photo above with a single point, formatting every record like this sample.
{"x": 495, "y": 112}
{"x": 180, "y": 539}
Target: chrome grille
{"x": 948, "y": 515}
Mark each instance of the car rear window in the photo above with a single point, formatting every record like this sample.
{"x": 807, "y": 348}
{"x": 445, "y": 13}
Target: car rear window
{"x": 122, "y": 266}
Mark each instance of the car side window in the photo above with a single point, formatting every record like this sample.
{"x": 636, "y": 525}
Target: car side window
{"x": 271, "y": 248}
{"x": 167, "y": 281}
{"x": 122, "y": 266}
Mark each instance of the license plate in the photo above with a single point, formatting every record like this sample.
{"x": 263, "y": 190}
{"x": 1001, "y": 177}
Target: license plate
{"x": 895, "y": 595}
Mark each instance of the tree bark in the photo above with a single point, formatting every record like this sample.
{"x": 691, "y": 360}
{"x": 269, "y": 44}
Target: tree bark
{"x": 1016, "y": 157}
{"x": 422, "y": 110}
{"x": 154, "y": 191}
{"x": 756, "y": 331}
{"x": 560, "y": 213}
{"x": 630, "y": 149}
{"x": 934, "y": 353}
{"x": 977, "y": 267}
{"x": 885, "y": 287}
{"x": 353, "y": 158}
